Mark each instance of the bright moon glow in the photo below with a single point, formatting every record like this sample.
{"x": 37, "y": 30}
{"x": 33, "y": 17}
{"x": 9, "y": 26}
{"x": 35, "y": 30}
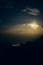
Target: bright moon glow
{"x": 34, "y": 25}
{"x": 31, "y": 29}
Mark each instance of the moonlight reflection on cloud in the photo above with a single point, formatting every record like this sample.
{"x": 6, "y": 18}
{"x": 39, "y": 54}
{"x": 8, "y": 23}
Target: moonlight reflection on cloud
{"x": 27, "y": 29}
{"x": 33, "y": 25}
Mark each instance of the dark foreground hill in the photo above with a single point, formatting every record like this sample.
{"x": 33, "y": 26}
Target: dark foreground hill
{"x": 36, "y": 43}
{"x": 31, "y": 48}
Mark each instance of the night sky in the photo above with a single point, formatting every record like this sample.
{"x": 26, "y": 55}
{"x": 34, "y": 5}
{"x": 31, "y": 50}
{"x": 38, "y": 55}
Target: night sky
{"x": 15, "y": 15}
{"x": 21, "y": 31}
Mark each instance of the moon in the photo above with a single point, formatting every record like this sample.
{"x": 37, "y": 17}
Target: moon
{"x": 33, "y": 25}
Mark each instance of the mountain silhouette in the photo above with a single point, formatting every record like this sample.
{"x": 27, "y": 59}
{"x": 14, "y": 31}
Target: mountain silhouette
{"x": 36, "y": 43}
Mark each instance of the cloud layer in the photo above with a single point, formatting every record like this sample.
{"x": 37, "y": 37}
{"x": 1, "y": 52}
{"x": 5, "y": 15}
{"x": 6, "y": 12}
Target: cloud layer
{"x": 27, "y": 29}
{"x": 31, "y": 11}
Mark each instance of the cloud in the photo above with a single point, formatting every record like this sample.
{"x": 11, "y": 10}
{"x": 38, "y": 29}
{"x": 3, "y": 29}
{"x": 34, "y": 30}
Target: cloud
{"x": 26, "y": 29}
{"x": 16, "y": 45}
{"x": 9, "y": 6}
{"x": 31, "y": 11}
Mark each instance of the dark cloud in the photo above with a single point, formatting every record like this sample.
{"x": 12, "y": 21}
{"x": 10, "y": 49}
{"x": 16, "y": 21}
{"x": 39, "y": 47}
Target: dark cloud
{"x": 9, "y": 6}
{"x": 31, "y": 11}
{"x": 7, "y": 3}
